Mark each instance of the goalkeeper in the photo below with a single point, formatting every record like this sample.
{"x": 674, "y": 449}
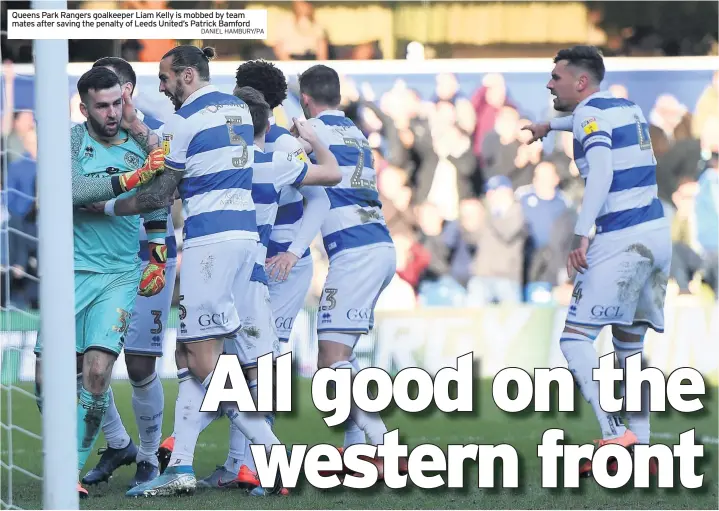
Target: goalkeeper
{"x": 106, "y": 163}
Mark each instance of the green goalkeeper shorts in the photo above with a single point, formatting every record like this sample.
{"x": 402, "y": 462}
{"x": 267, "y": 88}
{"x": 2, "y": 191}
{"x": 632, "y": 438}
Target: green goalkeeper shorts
{"x": 103, "y": 304}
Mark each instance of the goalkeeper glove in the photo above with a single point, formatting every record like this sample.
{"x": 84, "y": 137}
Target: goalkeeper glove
{"x": 153, "y": 277}
{"x": 154, "y": 165}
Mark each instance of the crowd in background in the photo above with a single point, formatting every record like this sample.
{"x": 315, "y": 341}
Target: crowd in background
{"x": 477, "y": 215}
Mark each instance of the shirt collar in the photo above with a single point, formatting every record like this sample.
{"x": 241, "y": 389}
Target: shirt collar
{"x": 331, "y": 112}
{"x": 598, "y": 94}
{"x": 199, "y": 93}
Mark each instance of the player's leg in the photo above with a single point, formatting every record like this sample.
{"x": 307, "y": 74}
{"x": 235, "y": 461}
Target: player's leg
{"x": 143, "y": 348}
{"x": 209, "y": 273}
{"x": 107, "y": 320}
{"x": 629, "y": 340}
{"x": 143, "y": 345}
{"x": 345, "y": 312}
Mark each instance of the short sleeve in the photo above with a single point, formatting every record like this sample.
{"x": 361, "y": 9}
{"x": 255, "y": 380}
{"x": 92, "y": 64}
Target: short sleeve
{"x": 175, "y": 140}
{"x": 592, "y": 130}
{"x": 291, "y": 170}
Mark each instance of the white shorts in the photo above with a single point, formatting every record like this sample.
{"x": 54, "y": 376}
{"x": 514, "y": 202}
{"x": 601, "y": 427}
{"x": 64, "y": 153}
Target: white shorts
{"x": 354, "y": 283}
{"x": 213, "y": 279}
{"x": 288, "y": 297}
{"x": 626, "y": 281}
{"x": 148, "y": 325}
{"x": 257, "y": 336}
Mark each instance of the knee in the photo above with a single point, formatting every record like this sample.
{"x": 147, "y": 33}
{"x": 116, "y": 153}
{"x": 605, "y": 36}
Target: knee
{"x": 139, "y": 368}
{"x": 574, "y": 334}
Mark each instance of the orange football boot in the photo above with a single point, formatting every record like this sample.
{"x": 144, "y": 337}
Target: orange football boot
{"x": 246, "y": 478}
{"x": 164, "y": 453}
{"x": 627, "y": 440}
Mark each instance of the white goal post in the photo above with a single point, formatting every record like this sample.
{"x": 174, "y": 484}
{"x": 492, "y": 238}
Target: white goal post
{"x": 56, "y": 271}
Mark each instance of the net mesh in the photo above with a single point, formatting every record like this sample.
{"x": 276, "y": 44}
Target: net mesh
{"x": 18, "y": 303}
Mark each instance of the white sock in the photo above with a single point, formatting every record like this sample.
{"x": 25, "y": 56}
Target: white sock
{"x": 239, "y": 443}
{"x": 188, "y": 418}
{"x": 252, "y": 424}
{"x": 148, "y": 402}
{"x": 582, "y": 359}
{"x": 236, "y": 456}
{"x": 353, "y": 433}
{"x": 638, "y": 421}
{"x": 113, "y": 428}
{"x": 370, "y": 423}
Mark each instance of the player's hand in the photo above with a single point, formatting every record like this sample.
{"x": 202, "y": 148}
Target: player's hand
{"x": 96, "y": 207}
{"x": 577, "y": 259}
{"x": 129, "y": 113}
{"x": 304, "y": 130}
{"x": 279, "y": 267}
{"x": 154, "y": 165}
{"x": 153, "y": 276}
{"x": 539, "y": 131}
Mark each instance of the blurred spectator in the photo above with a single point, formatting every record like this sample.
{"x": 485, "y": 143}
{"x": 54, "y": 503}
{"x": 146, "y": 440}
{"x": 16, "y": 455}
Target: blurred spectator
{"x": 676, "y": 152}
{"x": 528, "y": 156}
{"x": 685, "y": 249}
{"x": 460, "y": 237}
{"x": 487, "y": 102}
{"x": 395, "y": 196}
{"x": 543, "y": 204}
{"x": 619, "y": 91}
{"x": 707, "y": 218}
{"x": 500, "y": 146}
{"x": 148, "y": 50}
{"x": 707, "y": 105}
{"x": 302, "y": 37}
{"x": 563, "y": 158}
{"x": 498, "y": 264}
{"x": 436, "y": 287}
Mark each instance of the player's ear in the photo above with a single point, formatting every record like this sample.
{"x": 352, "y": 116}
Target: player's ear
{"x": 83, "y": 109}
{"x": 267, "y": 126}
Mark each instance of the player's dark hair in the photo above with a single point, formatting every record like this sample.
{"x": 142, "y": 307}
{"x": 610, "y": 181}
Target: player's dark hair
{"x": 186, "y": 55}
{"x": 264, "y": 77}
{"x": 587, "y": 58}
{"x": 121, "y": 67}
{"x": 322, "y": 84}
{"x": 97, "y": 78}
{"x": 259, "y": 108}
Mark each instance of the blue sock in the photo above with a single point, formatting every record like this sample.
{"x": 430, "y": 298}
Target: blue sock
{"x": 91, "y": 410}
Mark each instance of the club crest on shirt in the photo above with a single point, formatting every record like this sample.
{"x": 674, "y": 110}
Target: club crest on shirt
{"x": 590, "y": 125}
{"x": 166, "y": 138}
{"x": 132, "y": 161}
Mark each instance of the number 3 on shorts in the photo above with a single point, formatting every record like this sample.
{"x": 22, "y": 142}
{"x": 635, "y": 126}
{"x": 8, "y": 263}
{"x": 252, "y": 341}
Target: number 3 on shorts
{"x": 329, "y": 297}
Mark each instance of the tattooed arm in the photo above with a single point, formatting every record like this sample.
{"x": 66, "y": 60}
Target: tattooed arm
{"x": 143, "y": 135}
{"x": 157, "y": 194}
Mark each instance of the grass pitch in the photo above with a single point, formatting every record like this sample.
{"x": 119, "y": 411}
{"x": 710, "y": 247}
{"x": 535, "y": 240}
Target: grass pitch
{"x": 488, "y": 425}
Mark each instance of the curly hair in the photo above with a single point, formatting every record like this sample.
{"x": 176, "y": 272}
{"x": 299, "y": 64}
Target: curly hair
{"x": 264, "y": 77}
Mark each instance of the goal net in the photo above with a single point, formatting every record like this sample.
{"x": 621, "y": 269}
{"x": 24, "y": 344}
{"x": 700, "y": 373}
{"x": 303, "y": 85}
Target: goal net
{"x": 36, "y": 261}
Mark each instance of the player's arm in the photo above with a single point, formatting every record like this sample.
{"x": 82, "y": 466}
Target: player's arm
{"x": 326, "y": 171}
{"x": 86, "y": 190}
{"x": 160, "y": 193}
{"x": 152, "y": 280}
{"x": 542, "y": 129}
{"x": 594, "y": 133}
{"x": 148, "y": 139}
{"x": 314, "y": 214}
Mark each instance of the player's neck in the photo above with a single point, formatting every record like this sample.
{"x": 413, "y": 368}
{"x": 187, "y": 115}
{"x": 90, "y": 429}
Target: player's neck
{"x": 585, "y": 94}
{"x": 118, "y": 139}
{"x": 260, "y": 143}
{"x": 318, "y": 109}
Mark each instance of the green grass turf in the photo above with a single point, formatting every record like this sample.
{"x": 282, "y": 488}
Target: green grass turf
{"x": 488, "y": 426}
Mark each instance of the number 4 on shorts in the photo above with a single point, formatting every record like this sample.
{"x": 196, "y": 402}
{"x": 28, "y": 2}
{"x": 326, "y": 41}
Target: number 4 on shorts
{"x": 577, "y": 292}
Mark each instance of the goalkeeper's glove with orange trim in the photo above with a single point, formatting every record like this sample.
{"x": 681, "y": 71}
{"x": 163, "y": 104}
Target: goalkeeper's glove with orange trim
{"x": 153, "y": 276}
{"x": 154, "y": 165}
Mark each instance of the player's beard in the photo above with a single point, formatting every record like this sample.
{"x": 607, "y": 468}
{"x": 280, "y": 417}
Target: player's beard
{"x": 102, "y": 129}
{"x": 175, "y": 97}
